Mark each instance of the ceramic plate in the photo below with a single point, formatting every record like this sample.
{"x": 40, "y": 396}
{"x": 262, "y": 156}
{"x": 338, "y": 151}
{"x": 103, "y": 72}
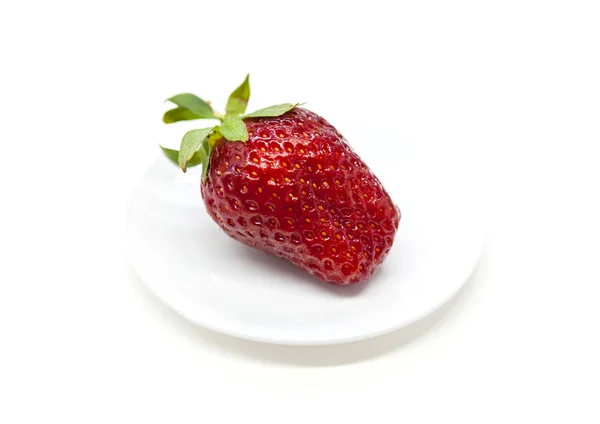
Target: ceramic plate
{"x": 220, "y": 284}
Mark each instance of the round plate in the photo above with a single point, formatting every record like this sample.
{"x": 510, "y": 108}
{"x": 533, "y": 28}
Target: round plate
{"x": 218, "y": 283}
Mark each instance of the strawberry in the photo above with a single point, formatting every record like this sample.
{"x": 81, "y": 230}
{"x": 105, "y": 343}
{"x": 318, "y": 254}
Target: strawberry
{"x": 284, "y": 180}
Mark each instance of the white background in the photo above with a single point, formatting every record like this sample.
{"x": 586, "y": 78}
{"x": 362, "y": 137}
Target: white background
{"x": 508, "y": 89}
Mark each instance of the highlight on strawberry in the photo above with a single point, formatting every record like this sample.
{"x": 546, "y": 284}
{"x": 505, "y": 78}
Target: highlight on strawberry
{"x": 285, "y": 181}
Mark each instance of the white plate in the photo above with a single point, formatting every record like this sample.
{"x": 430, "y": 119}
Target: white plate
{"x": 220, "y": 284}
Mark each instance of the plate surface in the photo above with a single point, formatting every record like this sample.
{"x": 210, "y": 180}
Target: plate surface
{"x": 220, "y": 284}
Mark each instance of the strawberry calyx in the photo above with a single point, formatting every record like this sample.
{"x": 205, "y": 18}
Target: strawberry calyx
{"x": 197, "y": 145}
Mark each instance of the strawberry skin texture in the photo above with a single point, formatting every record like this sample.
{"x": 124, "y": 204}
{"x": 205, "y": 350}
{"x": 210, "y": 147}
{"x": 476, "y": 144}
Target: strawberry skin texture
{"x": 297, "y": 190}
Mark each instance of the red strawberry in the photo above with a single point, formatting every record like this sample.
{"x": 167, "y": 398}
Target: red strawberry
{"x": 293, "y": 188}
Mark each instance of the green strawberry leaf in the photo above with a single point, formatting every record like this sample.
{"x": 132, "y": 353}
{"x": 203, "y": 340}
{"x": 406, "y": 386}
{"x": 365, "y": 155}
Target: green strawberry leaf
{"x": 191, "y": 142}
{"x": 205, "y": 151}
{"x": 238, "y": 100}
{"x": 234, "y": 129}
{"x": 179, "y": 114}
{"x": 173, "y": 156}
{"x": 194, "y": 104}
{"x": 271, "y": 111}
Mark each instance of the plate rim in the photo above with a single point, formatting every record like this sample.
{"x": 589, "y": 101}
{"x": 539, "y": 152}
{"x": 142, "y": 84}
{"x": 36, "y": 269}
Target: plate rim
{"x": 316, "y": 342}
